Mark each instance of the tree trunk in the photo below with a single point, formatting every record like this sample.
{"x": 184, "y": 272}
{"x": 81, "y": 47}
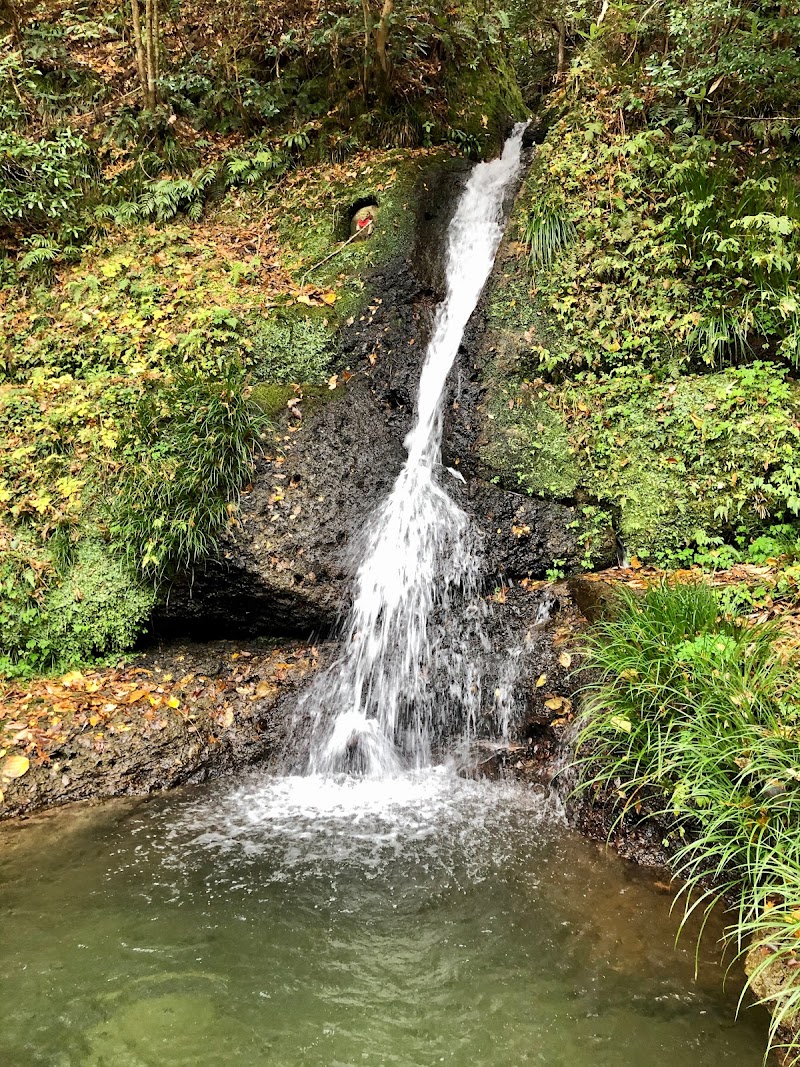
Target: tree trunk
{"x": 561, "y": 66}
{"x": 9, "y": 15}
{"x": 146, "y": 45}
{"x": 382, "y": 36}
{"x": 367, "y": 22}
{"x": 151, "y": 48}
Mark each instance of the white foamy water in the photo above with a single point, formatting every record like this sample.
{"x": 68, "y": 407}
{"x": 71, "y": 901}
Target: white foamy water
{"x": 301, "y": 826}
{"x": 410, "y": 673}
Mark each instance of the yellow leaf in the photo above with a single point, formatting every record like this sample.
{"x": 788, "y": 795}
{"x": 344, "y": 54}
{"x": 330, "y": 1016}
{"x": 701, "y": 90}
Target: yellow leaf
{"x": 15, "y": 766}
{"x": 541, "y": 680}
{"x": 620, "y": 722}
{"x": 227, "y": 719}
{"x": 333, "y": 381}
{"x": 565, "y": 659}
{"x": 71, "y": 679}
{"x": 304, "y": 299}
{"x": 173, "y": 702}
{"x": 554, "y": 703}
{"x": 134, "y": 695}
{"x": 330, "y": 297}
{"x": 94, "y": 720}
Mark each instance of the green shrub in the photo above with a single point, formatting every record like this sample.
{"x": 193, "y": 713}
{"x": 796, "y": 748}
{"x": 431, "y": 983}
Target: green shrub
{"x": 291, "y": 347}
{"x": 697, "y": 717}
{"x": 56, "y": 616}
{"x": 44, "y": 188}
{"x": 101, "y": 607}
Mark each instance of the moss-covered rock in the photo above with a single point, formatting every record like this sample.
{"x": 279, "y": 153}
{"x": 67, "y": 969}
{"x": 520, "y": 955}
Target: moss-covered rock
{"x": 484, "y": 102}
{"x": 679, "y": 461}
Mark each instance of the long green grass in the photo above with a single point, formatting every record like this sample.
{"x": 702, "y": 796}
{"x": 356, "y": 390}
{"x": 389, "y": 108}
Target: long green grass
{"x": 695, "y": 717}
{"x": 547, "y": 232}
{"x": 185, "y": 458}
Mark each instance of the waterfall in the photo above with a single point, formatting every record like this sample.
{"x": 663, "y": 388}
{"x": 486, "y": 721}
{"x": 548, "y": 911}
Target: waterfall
{"x": 409, "y": 672}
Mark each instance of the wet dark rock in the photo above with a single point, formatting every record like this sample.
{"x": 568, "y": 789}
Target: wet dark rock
{"x": 594, "y": 597}
{"x": 286, "y": 567}
{"x": 238, "y": 707}
{"x": 521, "y": 536}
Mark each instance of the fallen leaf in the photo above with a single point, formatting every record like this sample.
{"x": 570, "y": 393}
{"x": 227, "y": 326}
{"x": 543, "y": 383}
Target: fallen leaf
{"x": 565, "y": 659}
{"x": 554, "y": 703}
{"x": 541, "y": 680}
{"x": 333, "y": 381}
{"x": 15, "y": 766}
{"x": 173, "y": 702}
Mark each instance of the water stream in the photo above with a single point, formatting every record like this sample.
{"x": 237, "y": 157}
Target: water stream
{"x": 410, "y": 670}
{"x": 398, "y": 915}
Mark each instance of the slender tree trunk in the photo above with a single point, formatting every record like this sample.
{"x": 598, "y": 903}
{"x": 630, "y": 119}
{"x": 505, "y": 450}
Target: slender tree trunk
{"x": 9, "y": 14}
{"x": 146, "y": 39}
{"x": 151, "y": 45}
{"x": 367, "y": 22}
{"x": 561, "y": 65}
{"x": 382, "y": 36}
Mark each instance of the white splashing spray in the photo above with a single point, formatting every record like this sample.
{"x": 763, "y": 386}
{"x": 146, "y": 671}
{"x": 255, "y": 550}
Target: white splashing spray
{"x": 407, "y": 672}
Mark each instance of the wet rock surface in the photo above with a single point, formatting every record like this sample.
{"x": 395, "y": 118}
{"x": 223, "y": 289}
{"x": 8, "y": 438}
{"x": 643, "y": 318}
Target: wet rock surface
{"x": 199, "y": 711}
{"x": 285, "y": 568}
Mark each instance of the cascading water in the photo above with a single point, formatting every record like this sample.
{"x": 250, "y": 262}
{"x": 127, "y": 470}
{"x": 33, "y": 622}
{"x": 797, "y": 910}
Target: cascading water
{"x": 407, "y": 670}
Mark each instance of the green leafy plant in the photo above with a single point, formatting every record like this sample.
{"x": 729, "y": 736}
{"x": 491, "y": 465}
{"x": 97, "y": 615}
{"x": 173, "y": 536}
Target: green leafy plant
{"x": 547, "y": 231}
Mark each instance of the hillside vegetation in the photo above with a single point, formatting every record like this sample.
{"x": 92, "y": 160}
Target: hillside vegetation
{"x": 654, "y": 292}
{"x": 173, "y": 179}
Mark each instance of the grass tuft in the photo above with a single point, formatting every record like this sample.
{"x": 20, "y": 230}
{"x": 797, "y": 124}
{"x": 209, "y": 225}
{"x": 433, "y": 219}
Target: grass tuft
{"x": 695, "y": 717}
{"x": 547, "y": 232}
{"x": 186, "y": 456}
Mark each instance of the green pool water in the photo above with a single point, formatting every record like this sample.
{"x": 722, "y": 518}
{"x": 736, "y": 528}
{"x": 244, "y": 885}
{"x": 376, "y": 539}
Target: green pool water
{"x": 413, "y": 922}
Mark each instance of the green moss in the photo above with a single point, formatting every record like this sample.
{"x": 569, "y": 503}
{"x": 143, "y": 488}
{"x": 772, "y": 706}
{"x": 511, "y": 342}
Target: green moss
{"x": 485, "y": 100}
{"x": 314, "y": 220}
{"x": 679, "y": 461}
{"x": 529, "y": 442}
{"x": 272, "y": 399}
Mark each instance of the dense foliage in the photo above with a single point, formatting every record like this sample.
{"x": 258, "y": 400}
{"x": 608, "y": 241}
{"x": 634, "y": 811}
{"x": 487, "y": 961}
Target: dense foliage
{"x": 693, "y": 717}
{"x": 655, "y": 294}
{"x": 241, "y": 92}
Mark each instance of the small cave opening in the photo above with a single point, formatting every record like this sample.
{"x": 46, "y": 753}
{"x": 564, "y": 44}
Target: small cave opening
{"x": 357, "y": 218}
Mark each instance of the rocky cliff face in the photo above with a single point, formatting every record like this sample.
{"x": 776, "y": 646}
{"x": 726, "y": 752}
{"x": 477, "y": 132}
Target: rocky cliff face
{"x": 284, "y": 567}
